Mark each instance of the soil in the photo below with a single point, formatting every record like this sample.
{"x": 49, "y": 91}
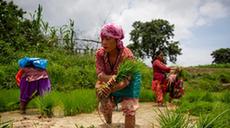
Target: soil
{"x": 146, "y": 117}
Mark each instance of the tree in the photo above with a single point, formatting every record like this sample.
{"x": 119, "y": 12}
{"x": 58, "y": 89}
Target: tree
{"x": 10, "y": 18}
{"x": 149, "y": 37}
{"x": 20, "y": 33}
{"x": 221, "y": 56}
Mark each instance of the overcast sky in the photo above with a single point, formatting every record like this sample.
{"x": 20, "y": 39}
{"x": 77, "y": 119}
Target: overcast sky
{"x": 201, "y": 26}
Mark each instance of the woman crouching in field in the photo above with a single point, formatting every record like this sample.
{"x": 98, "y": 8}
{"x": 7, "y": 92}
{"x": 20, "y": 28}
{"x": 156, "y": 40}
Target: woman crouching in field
{"x": 33, "y": 80}
{"x": 108, "y": 59}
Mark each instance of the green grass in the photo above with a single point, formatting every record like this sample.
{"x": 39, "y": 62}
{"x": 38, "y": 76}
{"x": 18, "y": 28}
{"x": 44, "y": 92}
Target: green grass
{"x": 225, "y": 97}
{"x": 171, "y": 119}
{"x": 73, "y": 102}
{"x": 206, "y": 105}
{"x": 9, "y": 99}
{"x": 214, "y": 120}
{"x": 215, "y": 66}
{"x": 79, "y": 101}
{"x": 46, "y": 103}
{"x": 147, "y": 95}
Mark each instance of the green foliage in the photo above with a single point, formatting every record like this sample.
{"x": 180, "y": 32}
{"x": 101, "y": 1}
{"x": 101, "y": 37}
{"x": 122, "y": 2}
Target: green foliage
{"x": 221, "y": 56}
{"x": 148, "y": 37}
{"x": 213, "y": 120}
{"x": 6, "y": 52}
{"x": 71, "y": 103}
{"x": 146, "y": 76}
{"x": 215, "y": 66}
{"x": 147, "y": 96}
{"x": 128, "y": 68}
{"x": 46, "y": 103}
{"x": 196, "y": 108}
{"x": 185, "y": 75}
{"x": 170, "y": 119}
{"x": 209, "y": 81}
{"x": 7, "y": 76}
{"x": 79, "y": 101}
{"x": 6, "y": 124}
{"x": 9, "y": 99}
{"x": 225, "y": 96}
{"x": 11, "y": 17}
{"x": 207, "y": 97}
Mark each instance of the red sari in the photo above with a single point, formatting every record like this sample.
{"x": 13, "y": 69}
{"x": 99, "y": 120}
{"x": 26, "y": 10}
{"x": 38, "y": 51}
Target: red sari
{"x": 159, "y": 83}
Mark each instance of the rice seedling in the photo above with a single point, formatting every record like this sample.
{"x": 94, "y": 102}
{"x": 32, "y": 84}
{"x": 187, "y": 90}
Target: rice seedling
{"x": 79, "y": 101}
{"x": 126, "y": 69}
{"x": 6, "y": 124}
{"x": 46, "y": 103}
{"x": 171, "y": 119}
{"x": 209, "y": 120}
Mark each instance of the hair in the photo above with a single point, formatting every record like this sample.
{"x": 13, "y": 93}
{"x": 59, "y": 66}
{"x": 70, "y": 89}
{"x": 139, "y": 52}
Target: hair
{"x": 157, "y": 53}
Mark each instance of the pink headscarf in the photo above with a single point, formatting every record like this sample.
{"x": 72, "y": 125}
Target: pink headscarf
{"x": 114, "y": 31}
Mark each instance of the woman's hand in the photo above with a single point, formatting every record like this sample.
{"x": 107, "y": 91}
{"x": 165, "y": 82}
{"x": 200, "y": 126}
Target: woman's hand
{"x": 122, "y": 84}
{"x": 102, "y": 89}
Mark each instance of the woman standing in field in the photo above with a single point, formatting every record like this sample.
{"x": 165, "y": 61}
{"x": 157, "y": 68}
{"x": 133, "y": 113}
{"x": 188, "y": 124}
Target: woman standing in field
{"x": 108, "y": 58}
{"x": 160, "y": 81}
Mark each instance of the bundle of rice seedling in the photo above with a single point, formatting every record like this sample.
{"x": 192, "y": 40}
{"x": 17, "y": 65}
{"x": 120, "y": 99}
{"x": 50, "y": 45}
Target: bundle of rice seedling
{"x": 127, "y": 69}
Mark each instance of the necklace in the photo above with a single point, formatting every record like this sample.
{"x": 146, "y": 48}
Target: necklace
{"x": 112, "y": 65}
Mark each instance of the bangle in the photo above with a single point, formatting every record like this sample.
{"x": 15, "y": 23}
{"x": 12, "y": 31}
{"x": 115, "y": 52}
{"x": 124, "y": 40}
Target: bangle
{"x": 99, "y": 76}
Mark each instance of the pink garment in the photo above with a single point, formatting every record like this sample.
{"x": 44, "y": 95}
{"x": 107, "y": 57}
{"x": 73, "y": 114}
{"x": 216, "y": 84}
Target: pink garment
{"x": 102, "y": 61}
{"x": 129, "y": 105}
{"x": 159, "y": 84}
{"x": 159, "y": 89}
{"x": 33, "y": 74}
{"x": 172, "y": 85}
{"x": 159, "y": 70}
{"x": 114, "y": 31}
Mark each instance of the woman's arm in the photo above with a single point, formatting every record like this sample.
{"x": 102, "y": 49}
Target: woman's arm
{"x": 103, "y": 77}
{"x": 100, "y": 67}
{"x": 122, "y": 84}
{"x": 162, "y": 66}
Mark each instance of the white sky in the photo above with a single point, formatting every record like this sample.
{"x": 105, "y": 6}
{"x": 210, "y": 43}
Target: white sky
{"x": 201, "y": 26}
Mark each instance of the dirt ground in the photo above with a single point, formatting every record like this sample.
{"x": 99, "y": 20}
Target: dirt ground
{"x": 146, "y": 117}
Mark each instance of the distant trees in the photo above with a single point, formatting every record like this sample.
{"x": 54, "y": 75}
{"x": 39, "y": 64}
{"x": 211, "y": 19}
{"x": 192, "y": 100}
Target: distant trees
{"x": 21, "y": 34}
{"x": 17, "y": 32}
{"x": 221, "y": 56}
{"x": 148, "y": 37}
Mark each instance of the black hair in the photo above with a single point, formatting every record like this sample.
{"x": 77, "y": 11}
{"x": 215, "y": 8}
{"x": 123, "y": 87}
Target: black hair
{"x": 157, "y": 53}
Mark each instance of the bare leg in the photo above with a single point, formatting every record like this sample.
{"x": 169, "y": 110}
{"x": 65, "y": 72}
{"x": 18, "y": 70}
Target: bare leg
{"x": 129, "y": 121}
{"x": 23, "y": 107}
{"x": 108, "y": 118}
{"x": 170, "y": 99}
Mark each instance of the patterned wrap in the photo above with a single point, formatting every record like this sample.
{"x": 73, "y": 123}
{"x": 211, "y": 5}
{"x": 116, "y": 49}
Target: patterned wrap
{"x": 129, "y": 105}
{"x": 114, "y": 31}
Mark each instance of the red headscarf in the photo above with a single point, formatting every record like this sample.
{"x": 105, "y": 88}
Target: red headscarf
{"x": 115, "y": 31}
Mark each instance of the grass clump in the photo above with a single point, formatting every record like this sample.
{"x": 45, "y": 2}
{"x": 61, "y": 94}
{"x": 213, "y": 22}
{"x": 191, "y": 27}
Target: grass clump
{"x": 171, "y": 119}
{"x": 79, "y": 101}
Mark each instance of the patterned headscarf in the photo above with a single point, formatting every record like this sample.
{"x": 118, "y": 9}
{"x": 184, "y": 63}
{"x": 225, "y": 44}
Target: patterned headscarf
{"x": 114, "y": 31}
